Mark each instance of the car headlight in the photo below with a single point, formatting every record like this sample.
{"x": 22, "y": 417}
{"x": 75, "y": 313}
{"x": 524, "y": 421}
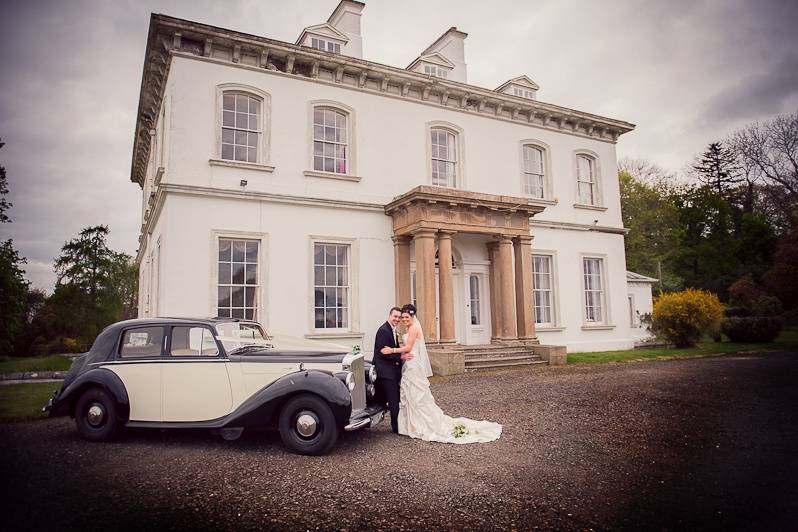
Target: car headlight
{"x": 372, "y": 374}
{"x": 350, "y": 381}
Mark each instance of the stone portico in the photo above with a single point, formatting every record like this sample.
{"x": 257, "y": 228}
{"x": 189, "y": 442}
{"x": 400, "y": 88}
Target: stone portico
{"x": 429, "y": 217}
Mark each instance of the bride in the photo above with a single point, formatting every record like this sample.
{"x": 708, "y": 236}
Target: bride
{"x": 419, "y": 416}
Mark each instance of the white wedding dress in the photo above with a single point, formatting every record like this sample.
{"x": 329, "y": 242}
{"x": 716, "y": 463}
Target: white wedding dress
{"x": 420, "y": 417}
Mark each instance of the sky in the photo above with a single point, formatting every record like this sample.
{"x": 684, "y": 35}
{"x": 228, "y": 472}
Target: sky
{"x": 686, "y": 72}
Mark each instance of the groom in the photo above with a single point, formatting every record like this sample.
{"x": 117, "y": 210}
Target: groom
{"x": 389, "y": 367}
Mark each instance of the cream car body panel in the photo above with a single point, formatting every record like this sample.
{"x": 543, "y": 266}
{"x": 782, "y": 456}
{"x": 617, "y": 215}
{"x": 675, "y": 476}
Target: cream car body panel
{"x": 196, "y": 390}
{"x": 142, "y": 380}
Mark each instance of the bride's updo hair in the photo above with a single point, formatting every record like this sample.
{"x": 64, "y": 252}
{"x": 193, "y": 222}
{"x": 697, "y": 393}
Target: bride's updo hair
{"x": 410, "y": 309}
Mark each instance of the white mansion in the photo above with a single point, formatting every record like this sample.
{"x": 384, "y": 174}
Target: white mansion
{"x": 307, "y": 188}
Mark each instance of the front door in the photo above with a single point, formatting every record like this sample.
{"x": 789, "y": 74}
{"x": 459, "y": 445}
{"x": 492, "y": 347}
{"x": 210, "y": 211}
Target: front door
{"x": 477, "y": 308}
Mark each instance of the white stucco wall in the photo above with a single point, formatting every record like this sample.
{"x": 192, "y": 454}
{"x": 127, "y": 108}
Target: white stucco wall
{"x": 390, "y": 155}
{"x": 642, "y": 302}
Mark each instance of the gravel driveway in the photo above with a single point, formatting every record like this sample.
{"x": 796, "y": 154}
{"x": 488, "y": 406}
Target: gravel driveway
{"x": 699, "y": 443}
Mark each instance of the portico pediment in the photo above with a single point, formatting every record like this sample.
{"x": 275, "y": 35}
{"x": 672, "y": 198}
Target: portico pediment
{"x": 440, "y": 208}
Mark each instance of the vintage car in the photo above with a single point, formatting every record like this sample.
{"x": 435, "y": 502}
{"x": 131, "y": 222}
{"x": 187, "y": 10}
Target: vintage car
{"x": 222, "y": 374}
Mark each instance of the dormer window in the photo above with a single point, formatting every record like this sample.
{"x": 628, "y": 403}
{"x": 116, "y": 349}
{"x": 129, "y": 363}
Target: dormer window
{"x": 436, "y": 71}
{"x": 325, "y": 46}
{"x": 523, "y": 93}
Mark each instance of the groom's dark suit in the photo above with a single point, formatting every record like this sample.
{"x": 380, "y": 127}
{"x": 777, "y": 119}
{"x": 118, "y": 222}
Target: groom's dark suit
{"x": 389, "y": 370}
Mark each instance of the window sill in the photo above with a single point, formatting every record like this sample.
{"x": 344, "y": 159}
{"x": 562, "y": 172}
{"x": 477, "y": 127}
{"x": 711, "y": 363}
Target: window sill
{"x": 331, "y": 175}
{"x": 331, "y": 335}
{"x": 549, "y": 329}
{"x": 589, "y": 207}
{"x": 241, "y": 165}
{"x": 597, "y": 327}
{"x": 542, "y": 201}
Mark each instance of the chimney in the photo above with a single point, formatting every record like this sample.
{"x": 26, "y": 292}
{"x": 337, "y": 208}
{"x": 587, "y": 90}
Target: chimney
{"x": 451, "y": 45}
{"x": 346, "y": 19}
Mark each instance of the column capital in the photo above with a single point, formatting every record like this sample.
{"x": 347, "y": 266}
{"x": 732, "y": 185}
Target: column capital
{"x": 525, "y": 239}
{"x": 445, "y": 233}
{"x": 424, "y": 233}
{"x": 401, "y": 239}
{"x": 503, "y": 239}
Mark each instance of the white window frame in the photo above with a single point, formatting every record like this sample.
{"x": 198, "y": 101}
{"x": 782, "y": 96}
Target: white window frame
{"x": 459, "y": 142}
{"x": 480, "y": 303}
{"x": 598, "y": 197}
{"x": 436, "y": 71}
{"x": 351, "y": 144}
{"x": 262, "y": 310}
{"x": 264, "y": 141}
{"x": 325, "y": 45}
{"x": 548, "y": 193}
{"x": 551, "y": 292}
{"x": 556, "y": 323}
{"x": 606, "y": 319}
{"x": 353, "y": 308}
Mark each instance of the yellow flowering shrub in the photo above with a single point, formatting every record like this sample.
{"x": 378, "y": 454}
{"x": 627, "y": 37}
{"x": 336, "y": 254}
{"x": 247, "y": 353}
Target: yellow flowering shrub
{"x": 683, "y": 317}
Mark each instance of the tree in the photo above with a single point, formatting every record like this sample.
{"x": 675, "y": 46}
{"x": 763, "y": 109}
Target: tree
{"x": 770, "y": 152}
{"x": 96, "y": 286}
{"x": 13, "y": 296}
{"x": 706, "y": 255}
{"x": 782, "y": 278}
{"x": 717, "y": 168}
{"x": 653, "y": 223}
{"x": 13, "y": 286}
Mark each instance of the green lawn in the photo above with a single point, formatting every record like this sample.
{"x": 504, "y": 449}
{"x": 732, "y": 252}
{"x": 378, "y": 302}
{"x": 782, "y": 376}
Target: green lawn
{"x": 23, "y": 364}
{"x": 787, "y": 341}
{"x": 25, "y": 401}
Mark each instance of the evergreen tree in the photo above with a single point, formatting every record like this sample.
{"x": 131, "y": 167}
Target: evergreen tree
{"x": 717, "y": 168}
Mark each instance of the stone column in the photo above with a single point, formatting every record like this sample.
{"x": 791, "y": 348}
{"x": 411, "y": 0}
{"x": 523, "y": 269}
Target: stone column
{"x": 495, "y": 295}
{"x": 425, "y": 281}
{"x": 524, "y": 306}
{"x": 445, "y": 288}
{"x": 401, "y": 258}
{"x": 507, "y": 302}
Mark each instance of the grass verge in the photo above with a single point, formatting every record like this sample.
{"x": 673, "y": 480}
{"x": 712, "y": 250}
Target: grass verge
{"x": 25, "y": 401}
{"x": 787, "y": 341}
{"x": 23, "y": 364}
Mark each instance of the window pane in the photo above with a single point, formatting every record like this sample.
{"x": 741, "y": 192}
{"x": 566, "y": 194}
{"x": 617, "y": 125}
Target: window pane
{"x": 252, "y": 274}
{"x": 252, "y": 155}
{"x": 318, "y": 299}
{"x": 239, "y": 248}
{"x": 142, "y": 342}
{"x": 238, "y": 296}
{"x": 241, "y": 153}
{"x": 239, "y": 313}
{"x": 224, "y": 296}
{"x": 318, "y": 254}
{"x": 224, "y": 273}
{"x": 238, "y": 273}
{"x": 227, "y": 151}
{"x": 249, "y": 297}
{"x": 225, "y": 247}
{"x": 252, "y": 251}
{"x": 241, "y": 103}
{"x": 329, "y": 165}
{"x": 228, "y": 102}
{"x": 228, "y": 118}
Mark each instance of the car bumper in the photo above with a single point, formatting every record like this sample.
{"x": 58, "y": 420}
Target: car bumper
{"x": 370, "y": 417}
{"x": 49, "y": 406}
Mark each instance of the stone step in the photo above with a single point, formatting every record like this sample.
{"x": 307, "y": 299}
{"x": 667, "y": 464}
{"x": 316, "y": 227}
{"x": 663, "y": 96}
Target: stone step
{"x": 509, "y": 358}
{"x": 499, "y": 354}
{"x": 502, "y": 364}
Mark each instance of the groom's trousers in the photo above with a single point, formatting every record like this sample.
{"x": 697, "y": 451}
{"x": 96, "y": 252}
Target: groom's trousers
{"x": 390, "y": 389}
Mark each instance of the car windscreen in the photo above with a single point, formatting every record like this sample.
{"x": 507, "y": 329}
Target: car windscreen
{"x": 235, "y": 335}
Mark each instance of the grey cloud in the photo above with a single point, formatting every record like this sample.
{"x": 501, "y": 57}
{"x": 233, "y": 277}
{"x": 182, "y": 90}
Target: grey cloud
{"x": 758, "y": 95}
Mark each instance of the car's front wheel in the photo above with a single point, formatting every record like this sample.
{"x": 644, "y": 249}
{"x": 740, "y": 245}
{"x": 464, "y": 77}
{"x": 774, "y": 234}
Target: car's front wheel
{"x": 95, "y": 415}
{"x": 307, "y": 425}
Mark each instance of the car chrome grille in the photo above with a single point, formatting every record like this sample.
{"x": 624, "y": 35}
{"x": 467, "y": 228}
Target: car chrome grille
{"x": 355, "y": 364}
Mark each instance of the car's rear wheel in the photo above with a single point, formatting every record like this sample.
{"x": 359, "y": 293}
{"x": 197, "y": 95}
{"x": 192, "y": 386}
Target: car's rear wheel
{"x": 95, "y": 415}
{"x": 307, "y": 425}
